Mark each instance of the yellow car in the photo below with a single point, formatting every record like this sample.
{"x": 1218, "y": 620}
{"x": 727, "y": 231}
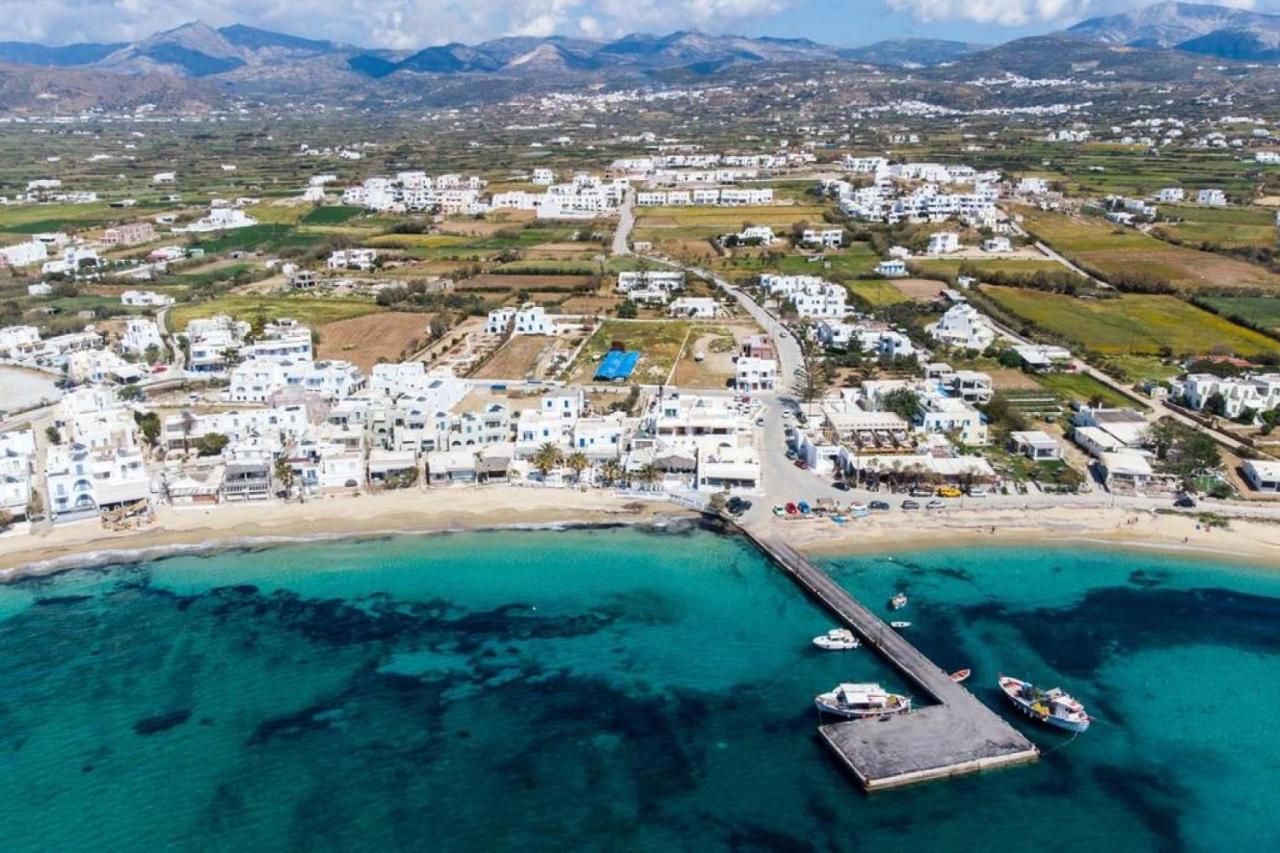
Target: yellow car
{"x": 949, "y": 492}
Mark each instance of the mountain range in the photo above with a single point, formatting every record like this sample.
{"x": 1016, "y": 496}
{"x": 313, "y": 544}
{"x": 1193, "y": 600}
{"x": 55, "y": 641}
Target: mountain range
{"x": 199, "y": 63}
{"x": 1227, "y": 33}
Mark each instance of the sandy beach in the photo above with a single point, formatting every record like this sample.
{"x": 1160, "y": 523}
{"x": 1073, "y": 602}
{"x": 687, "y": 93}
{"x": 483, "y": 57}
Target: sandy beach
{"x": 227, "y": 525}
{"x": 210, "y": 528}
{"x": 1242, "y": 540}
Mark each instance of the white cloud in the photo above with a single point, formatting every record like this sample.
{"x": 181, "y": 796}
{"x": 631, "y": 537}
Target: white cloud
{"x": 401, "y": 24}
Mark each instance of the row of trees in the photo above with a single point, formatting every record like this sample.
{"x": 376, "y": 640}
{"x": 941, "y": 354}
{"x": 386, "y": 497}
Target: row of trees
{"x": 548, "y": 457}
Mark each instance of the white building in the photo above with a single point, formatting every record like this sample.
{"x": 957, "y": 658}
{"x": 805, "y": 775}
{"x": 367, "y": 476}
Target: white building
{"x": 145, "y": 299}
{"x": 1262, "y": 476}
{"x": 962, "y": 327}
{"x": 17, "y": 460}
{"x": 257, "y": 380}
{"x": 828, "y": 238}
{"x": 812, "y": 296}
{"x": 943, "y": 243}
{"x": 997, "y": 244}
{"x": 1255, "y": 392}
{"x": 755, "y": 374}
{"x": 698, "y": 307}
{"x": 892, "y": 269}
{"x": 353, "y": 259}
{"x": 24, "y": 254}
{"x": 1211, "y": 198}
{"x": 1171, "y": 195}
{"x": 140, "y": 334}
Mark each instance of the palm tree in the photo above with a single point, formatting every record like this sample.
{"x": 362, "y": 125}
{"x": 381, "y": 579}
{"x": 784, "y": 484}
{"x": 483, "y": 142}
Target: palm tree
{"x": 649, "y": 475}
{"x": 611, "y": 472}
{"x": 545, "y": 458}
{"x": 284, "y": 476}
{"x": 577, "y": 462}
{"x": 188, "y": 424}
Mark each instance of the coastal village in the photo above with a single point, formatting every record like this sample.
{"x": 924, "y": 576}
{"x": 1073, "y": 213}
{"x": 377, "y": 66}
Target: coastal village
{"x": 679, "y": 376}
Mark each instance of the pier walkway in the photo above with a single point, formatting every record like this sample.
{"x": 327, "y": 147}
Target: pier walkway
{"x": 956, "y": 734}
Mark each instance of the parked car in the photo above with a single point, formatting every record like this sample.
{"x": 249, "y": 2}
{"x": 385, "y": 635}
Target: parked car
{"x": 841, "y": 485}
{"x": 802, "y": 465}
{"x": 1185, "y": 502}
{"x": 935, "y": 504}
{"x": 737, "y": 506}
{"x": 879, "y": 506}
{"x": 977, "y": 492}
{"x": 791, "y": 455}
{"x": 910, "y": 505}
{"x": 921, "y": 492}
{"x": 949, "y": 492}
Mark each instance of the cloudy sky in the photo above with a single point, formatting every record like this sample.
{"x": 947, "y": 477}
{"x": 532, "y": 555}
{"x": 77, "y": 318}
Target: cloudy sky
{"x": 416, "y": 23}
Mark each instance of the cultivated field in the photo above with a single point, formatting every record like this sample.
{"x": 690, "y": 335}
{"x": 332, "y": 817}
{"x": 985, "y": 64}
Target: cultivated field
{"x": 309, "y": 311}
{"x": 373, "y": 338}
{"x": 662, "y": 223}
{"x": 1262, "y": 310}
{"x": 1228, "y": 227}
{"x": 918, "y": 289}
{"x": 1131, "y": 323}
{"x": 1112, "y": 251}
{"x": 659, "y": 344}
{"x": 520, "y": 357}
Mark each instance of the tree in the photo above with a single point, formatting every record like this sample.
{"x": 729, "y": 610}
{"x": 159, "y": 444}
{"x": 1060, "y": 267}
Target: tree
{"x": 211, "y": 444}
{"x": 627, "y": 310}
{"x": 131, "y": 393}
{"x": 1215, "y": 405}
{"x": 813, "y": 376}
{"x": 649, "y": 475}
{"x": 903, "y": 402}
{"x": 717, "y": 503}
{"x": 577, "y": 462}
{"x": 545, "y": 458}
{"x": 149, "y": 424}
{"x": 6, "y": 518}
{"x": 611, "y": 472}
{"x": 284, "y": 476}
{"x": 52, "y": 435}
{"x": 188, "y": 423}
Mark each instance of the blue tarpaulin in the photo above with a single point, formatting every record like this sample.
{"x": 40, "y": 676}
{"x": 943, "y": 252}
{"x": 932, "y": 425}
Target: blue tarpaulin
{"x": 617, "y": 365}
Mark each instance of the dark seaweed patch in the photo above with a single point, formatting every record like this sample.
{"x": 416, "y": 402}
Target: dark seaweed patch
{"x": 56, "y": 600}
{"x": 161, "y": 722}
{"x": 1148, "y": 796}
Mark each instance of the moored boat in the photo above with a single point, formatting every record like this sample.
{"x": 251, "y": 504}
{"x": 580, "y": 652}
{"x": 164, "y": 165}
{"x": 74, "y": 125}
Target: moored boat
{"x": 837, "y": 639}
{"x": 861, "y": 701}
{"x": 898, "y": 601}
{"x": 1051, "y": 707}
{"x": 899, "y": 625}
{"x": 961, "y": 675}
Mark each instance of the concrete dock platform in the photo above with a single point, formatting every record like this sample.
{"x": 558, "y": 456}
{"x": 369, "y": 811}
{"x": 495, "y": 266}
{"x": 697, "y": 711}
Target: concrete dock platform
{"x": 954, "y": 735}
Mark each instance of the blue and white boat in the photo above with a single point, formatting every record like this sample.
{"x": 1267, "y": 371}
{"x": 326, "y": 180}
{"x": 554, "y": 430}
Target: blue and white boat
{"x": 1051, "y": 707}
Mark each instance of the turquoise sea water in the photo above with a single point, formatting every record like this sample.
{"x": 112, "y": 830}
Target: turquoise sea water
{"x": 613, "y": 689}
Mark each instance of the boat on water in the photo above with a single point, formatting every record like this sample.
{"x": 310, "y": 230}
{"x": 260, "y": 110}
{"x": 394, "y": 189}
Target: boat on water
{"x": 837, "y": 639}
{"x": 961, "y": 675}
{"x": 898, "y": 601}
{"x": 899, "y": 625}
{"x": 861, "y": 701}
{"x": 1051, "y": 707}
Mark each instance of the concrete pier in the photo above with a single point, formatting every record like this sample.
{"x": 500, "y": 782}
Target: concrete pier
{"x": 955, "y": 735}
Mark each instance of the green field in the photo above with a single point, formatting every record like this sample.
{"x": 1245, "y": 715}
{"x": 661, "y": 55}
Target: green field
{"x": 855, "y": 260}
{"x": 694, "y": 223}
{"x": 1007, "y": 266}
{"x": 1262, "y": 310}
{"x": 1114, "y": 252}
{"x": 1081, "y": 388}
{"x": 1131, "y": 324}
{"x": 335, "y": 215}
{"x": 659, "y": 345}
{"x": 264, "y": 237}
{"x": 1229, "y": 227}
{"x": 876, "y": 292}
{"x": 309, "y": 311}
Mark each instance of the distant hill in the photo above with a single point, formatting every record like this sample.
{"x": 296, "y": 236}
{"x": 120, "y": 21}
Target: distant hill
{"x": 912, "y": 52}
{"x": 24, "y": 53}
{"x": 1211, "y": 30}
{"x": 26, "y": 88}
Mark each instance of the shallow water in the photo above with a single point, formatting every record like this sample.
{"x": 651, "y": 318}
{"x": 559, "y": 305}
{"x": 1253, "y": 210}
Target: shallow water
{"x": 612, "y": 689}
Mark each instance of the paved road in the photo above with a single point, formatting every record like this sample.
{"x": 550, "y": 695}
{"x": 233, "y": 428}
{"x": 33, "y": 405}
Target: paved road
{"x": 626, "y": 222}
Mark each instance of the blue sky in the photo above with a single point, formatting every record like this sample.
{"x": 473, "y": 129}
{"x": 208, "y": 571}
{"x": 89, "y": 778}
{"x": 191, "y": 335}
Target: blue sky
{"x": 409, "y": 24}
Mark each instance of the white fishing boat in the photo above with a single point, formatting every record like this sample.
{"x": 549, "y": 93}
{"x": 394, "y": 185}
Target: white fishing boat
{"x": 861, "y": 701}
{"x": 899, "y": 625}
{"x": 898, "y": 601}
{"x": 837, "y": 639}
{"x": 1051, "y": 707}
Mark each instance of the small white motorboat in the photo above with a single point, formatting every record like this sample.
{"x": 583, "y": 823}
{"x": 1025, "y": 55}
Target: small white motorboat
{"x": 861, "y": 701}
{"x": 898, "y": 601}
{"x": 899, "y": 625}
{"x": 837, "y": 639}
